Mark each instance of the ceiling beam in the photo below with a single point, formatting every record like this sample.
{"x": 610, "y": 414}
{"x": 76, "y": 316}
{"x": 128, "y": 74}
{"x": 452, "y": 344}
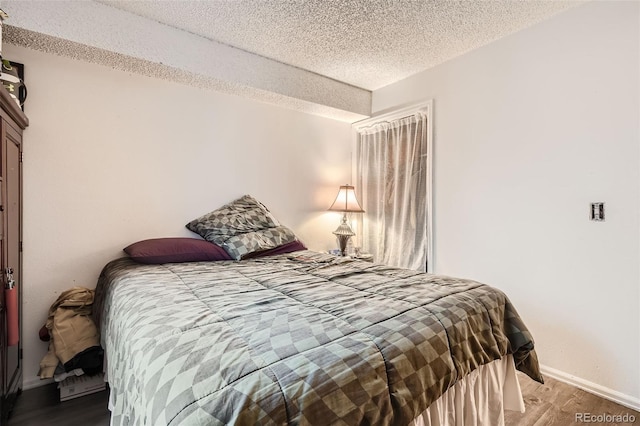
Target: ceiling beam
{"x": 101, "y": 34}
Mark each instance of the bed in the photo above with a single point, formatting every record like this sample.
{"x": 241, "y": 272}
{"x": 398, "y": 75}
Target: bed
{"x": 306, "y": 338}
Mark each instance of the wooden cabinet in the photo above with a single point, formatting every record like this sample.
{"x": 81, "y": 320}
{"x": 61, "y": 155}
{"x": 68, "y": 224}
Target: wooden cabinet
{"x": 12, "y": 123}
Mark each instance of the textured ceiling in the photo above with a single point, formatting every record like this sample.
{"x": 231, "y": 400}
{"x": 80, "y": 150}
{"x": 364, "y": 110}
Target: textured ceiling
{"x": 365, "y": 43}
{"x": 319, "y": 57}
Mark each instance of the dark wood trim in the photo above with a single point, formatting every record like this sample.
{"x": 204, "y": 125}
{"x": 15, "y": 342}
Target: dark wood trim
{"x": 10, "y": 106}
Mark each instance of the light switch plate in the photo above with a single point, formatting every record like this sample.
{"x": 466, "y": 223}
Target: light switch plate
{"x": 597, "y": 212}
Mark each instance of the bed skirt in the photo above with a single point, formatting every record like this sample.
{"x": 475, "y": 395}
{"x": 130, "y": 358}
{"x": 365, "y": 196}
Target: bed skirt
{"x": 478, "y": 399}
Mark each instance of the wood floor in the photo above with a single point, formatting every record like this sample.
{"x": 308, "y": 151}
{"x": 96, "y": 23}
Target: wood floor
{"x": 557, "y": 404}
{"x": 551, "y": 404}
{"x": 42, "y": 407}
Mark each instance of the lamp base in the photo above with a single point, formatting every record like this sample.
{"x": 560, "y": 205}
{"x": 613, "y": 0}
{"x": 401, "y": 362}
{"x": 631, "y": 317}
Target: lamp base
{"x": 343, "y": 240}
{"x": 344, "y": 232}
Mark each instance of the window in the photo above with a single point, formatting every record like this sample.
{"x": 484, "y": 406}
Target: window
{"x": 393, "y": 177}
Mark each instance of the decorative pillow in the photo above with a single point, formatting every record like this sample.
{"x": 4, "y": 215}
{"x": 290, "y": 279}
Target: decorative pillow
{"x": 242, "y": 227}
{"x": 239, "y": 246}
{"x": 296, "y": 245}
{"x": 241, "y": 216}
{"x": 171, "y": 250}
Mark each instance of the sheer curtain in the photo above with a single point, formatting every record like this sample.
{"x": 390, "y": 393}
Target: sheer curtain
{"x": 392, "y": 178}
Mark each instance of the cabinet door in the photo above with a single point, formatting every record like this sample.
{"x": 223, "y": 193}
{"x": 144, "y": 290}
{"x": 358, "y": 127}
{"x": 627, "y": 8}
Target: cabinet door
{"x": 12, "y": 237}
{"x": 3, "y": 318}
{"x": 12, "y": 122}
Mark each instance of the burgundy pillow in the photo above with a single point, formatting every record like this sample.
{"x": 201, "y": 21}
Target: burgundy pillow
{"x": 285, "y": 248}
{"x": 169, "y": 250}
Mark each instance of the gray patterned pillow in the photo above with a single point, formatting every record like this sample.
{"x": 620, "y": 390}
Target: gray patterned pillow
{"x": 251, "y": 242}
{"x": 246, "y": 214}
{"x": 242, "y": 227}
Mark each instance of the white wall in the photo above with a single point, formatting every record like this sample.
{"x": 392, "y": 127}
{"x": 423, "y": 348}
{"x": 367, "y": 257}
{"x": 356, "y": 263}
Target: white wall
{"x": 528, "y": 131}
{"x": 112, "y": 158}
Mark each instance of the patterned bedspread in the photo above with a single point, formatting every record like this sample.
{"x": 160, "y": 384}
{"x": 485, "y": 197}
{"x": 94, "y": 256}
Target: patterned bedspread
{"x": 303, "y": 338}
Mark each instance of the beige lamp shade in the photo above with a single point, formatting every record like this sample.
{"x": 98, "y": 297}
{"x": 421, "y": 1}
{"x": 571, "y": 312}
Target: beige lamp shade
{"x": 346, "y": 201}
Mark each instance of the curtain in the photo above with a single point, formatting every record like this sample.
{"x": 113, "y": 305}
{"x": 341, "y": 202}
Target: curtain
{"x": 392, "y": 175}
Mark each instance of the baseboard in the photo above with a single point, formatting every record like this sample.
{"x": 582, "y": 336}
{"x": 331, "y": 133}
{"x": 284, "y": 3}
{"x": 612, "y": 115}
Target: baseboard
{"x": 601, "y": 391}
{"x": 34, "y": 382}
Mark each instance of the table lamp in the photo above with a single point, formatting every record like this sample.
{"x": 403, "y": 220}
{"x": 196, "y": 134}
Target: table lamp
{"x": 345, "y": 202}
